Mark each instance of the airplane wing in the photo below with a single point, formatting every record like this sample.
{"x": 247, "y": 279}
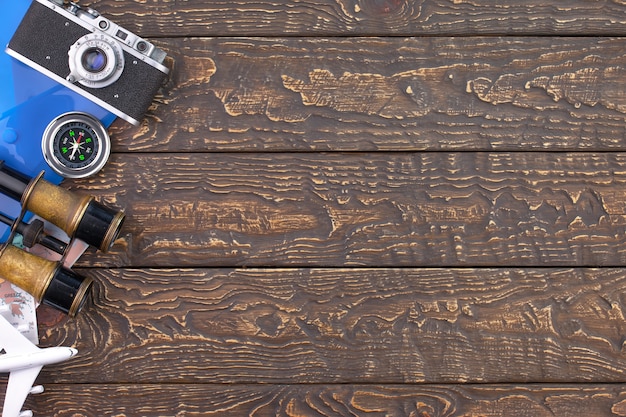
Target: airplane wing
{"x": 11, "y": 340}
{"x": 20, "y": 382}
{"x": 18, "y": 388}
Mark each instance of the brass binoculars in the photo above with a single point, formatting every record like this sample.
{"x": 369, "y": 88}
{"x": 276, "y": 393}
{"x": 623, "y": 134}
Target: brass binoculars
{"x": 80, "y": 217}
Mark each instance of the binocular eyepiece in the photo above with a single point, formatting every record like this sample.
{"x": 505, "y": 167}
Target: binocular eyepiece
{"x": 48, "y": 282}
{"x": 78, "y": 216}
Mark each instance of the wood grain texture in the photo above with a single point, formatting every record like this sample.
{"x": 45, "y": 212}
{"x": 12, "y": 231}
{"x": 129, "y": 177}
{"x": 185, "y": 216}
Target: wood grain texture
{"x": 377, "y": 94}
{"x": 303, "y": 326}
{"x": 371, "y": 209}
{"x": 361, "y": 207}
{"x": 329, "y": 400}
{"x": 364, "y": 17}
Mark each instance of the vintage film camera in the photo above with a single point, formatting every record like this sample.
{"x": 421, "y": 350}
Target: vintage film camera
{"x": 91, "y": 55}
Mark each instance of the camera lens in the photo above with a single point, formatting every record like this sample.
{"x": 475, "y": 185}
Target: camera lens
{"x": 94, "y": 60}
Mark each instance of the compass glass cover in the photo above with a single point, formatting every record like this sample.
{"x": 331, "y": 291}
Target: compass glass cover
{"x": 75, "y": 145}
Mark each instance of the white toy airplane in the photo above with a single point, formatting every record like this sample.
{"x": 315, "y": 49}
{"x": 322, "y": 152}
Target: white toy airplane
{"x": 24, "y": 360}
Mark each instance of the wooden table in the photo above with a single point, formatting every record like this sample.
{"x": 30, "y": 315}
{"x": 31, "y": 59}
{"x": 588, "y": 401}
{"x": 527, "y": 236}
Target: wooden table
{"x": 361, "y": 207}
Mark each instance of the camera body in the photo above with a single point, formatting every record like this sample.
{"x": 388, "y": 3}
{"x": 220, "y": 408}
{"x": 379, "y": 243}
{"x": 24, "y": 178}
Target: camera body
{"x": 90, "y": 55}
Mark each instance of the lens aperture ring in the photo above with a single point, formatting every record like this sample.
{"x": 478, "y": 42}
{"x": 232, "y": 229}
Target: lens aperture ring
{"x": 96, "y": 61}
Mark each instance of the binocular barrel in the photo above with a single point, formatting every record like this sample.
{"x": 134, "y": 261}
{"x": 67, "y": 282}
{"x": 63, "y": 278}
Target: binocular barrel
{"x": 77, "y": 215}
{"x": 48, "y": 282}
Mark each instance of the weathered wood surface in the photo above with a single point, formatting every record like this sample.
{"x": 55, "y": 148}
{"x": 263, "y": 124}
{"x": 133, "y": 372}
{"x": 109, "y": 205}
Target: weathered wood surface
{"x": 337, "y": 325}
{"x": 378, "y": 94}
{"x": 344, "y": 208}
{"x": 366, "y": 17}
{"x": 366, "y": 209}
{"x": 334, "y": 400}
{"x": 276, "y": 342}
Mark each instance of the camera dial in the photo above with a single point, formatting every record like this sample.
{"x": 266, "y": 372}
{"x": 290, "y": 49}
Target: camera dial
{"x": 96, "y": 61}
{"x": 75, "y": 145}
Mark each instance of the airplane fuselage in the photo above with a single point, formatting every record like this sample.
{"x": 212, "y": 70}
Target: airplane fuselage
{"x": 42, "y": 357}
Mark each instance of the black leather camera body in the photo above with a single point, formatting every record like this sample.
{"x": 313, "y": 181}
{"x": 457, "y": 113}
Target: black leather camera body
{"x": 91, "y": 55}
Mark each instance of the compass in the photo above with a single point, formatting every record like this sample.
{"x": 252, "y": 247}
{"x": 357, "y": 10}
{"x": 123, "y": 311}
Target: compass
{"x": 76, "y": 145}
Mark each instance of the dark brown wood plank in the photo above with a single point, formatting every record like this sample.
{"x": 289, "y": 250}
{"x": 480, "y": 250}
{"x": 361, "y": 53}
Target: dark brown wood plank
{"x": 376, "y": 209}
{"x": 384, "y": 326}
{"x": 364, "y": 17}
{"x": 149, "y": 400}
{"x": 373, "y": 94}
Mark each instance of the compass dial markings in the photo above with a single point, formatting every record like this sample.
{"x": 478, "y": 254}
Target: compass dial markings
{"x": 76, "y": 145}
